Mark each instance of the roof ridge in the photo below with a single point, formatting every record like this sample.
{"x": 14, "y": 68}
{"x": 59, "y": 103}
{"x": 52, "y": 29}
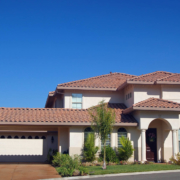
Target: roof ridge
{"x": 144, "y": 75}
{"x": 96, "y": 77}
{"x": 167, "y": 76}
{"x": 146, "y": 100}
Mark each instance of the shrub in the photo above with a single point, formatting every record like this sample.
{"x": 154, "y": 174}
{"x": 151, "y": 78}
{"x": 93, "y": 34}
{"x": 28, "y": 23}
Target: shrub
{"x": 89, "y": 150}
{"x": 110, "y": 155}
{"x": 64, "y": 172}
{"x": 126, "y": 151}
{"x": 83, "y": 170}
{"x": 64, "y": 160}
{"x": 176, "y": 160}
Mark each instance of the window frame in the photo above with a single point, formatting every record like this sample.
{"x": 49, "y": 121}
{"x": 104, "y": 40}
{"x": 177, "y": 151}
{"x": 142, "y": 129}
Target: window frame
{"x": 77, "y": 102}
{"x": 123, "y": 132}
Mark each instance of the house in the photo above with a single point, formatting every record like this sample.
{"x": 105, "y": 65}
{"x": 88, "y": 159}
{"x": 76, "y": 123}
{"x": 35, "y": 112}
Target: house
{"x": 147, "y": 111}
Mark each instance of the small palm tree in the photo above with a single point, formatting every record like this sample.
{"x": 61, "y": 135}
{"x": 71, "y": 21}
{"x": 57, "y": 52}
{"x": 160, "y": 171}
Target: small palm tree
{"x": 126, "y": 151}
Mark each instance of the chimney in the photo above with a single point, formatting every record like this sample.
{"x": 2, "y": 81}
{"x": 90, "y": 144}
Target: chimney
{"x": 110, "y": 72}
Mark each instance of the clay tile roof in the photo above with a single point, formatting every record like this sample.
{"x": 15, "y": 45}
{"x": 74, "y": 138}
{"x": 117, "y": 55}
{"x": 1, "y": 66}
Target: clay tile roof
{"x": 174, "y": 78}
{"x": 154, "y": 104}
{"x": 108, "y": 81}
{"x": 151, "y": 77}
{"x": 58, "y": 116}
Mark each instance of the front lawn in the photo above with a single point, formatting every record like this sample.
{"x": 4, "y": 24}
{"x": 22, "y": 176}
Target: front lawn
{"x": 97, "y": 170}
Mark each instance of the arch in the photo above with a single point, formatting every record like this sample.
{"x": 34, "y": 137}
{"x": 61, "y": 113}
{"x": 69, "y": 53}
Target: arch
{"x": 16, "y": 137}
{"x": 2, "y": 137}
{"x": 86, "y": 132}
{"x": 169, "y": 126}
{"x": 121, "y": 132}
{"x": 36, "y": 137}
{"x": 9, "y": 137}
{"x": 23, "y": 137}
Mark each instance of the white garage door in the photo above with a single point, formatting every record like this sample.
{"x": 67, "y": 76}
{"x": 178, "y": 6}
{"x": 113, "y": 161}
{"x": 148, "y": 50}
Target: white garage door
{"x": 23, "y": 150}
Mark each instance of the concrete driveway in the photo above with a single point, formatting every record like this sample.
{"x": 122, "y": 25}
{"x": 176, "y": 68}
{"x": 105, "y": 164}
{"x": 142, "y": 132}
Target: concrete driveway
{"x": 27, "y": 171}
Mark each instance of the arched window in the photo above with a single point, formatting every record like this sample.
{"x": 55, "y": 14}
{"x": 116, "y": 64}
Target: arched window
{"x": 23, "y": 137}
{"x": 86, "y": 132}
{"x": 9, "y": 137}
{"x": 36, "y": 137}
{"x": 16, "y": 137}
{"x": 2, "y": 137}
{"x": 43, "y": 137}
{"x": 30, "y": 137}
{"x": 121, "y": 132}
{"x": 108, "y": 141}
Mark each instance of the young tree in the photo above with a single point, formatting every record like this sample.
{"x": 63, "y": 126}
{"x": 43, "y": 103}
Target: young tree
{"x": 103, "y": 119}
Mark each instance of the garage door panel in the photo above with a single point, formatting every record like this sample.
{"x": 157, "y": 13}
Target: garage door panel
{"x": 22, "y": 146}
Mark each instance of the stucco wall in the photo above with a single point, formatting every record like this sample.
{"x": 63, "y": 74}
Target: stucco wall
{"x": 92, "y": 98}
{"x": 129, "y": 89}
{"x": 143, "y": 92}
{"x": 171, "y": 92}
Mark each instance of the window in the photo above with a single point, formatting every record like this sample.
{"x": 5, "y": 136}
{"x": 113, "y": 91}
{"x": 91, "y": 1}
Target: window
{"x": 30, "y": 137}
{"x": 86, "y": 132}
{"x": 77, "y": 101}
{"x": 129, "y": 95}
{"x": 108, "y": 141}
{"x": 36, "y": 137}
{"x": 16, "y": 137}
{"x": 121, "y": 132}
{"x": 179, "y": 139}
{"x": 23, "y": 137}
{"x": 43, "y": 137}
{"x": 9, "y": 137}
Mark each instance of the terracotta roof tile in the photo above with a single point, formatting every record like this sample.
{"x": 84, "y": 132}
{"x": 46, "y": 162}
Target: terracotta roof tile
{"x": 57, "y": 115}
{"x": 154, "y": 104}
{"x": 151, "y": 77}
{"x": 172, "y": 78}
{"x": 112, "y": 80}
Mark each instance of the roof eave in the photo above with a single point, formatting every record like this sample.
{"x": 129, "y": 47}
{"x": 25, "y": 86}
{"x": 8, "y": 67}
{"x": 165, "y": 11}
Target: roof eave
{"x": 166, "y": 82}
{"x": 126, "y": 111}
{"x": 139, "y": 82}
{"x": 63, "y": 123}
{"x": 87, "y": 88}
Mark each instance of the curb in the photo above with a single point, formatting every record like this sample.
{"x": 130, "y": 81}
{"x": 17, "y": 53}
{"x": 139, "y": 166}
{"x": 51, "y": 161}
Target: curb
{"x": 112, "y": 175}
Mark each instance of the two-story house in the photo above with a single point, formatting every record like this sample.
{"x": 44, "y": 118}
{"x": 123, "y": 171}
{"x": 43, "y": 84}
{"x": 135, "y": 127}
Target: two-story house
{"x": 147, "y": 111}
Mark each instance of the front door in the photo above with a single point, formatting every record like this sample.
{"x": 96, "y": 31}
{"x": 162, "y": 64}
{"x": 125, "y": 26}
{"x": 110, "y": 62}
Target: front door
{"x": 151, "y": 144}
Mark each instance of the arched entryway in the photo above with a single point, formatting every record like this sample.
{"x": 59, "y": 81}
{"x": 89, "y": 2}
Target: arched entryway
{"x": 158, "y": 140}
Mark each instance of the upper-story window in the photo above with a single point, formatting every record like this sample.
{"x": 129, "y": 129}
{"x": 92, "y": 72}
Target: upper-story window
{"x": 77, "y": 101}
{"x": 129, "y": 95}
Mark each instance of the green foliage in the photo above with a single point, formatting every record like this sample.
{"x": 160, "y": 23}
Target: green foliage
{"x": 64, "y": 160}
{"x": 103, "y": 119}
{"x": 126, "y": 151}
{"x": 90, "y": 150}
{"x": 64, "y": 172}
{"x": 176, "y": 160}
{"x": 83, "y": 170}
{"x": 110, "y": 154}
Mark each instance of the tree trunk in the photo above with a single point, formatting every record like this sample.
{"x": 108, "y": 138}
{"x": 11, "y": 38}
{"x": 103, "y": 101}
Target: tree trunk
{"x": 104, "y": 161}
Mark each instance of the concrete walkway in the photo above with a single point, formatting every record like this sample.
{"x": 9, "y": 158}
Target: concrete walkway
{"x": 27, "y": 171}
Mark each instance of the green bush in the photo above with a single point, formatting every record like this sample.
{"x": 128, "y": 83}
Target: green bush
{"x": 126, "y": 151}
{"x": 176, "y": 160}
{"x": 50, "y": 155}
{"x": 64, "y": 160}
{"x": 64, "y": 172}
{"x": 90, "y": 150}
{"x": 110, "y": 155}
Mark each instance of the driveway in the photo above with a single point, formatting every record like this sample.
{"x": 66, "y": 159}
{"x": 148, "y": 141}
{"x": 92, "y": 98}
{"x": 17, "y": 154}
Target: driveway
{"x": 27, "y": 171}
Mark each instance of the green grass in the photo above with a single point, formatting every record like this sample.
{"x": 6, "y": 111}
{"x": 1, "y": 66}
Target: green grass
{"x": 96, "y": 170}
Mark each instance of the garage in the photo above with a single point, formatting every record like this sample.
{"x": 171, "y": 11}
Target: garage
{"x": 23, "y": 147}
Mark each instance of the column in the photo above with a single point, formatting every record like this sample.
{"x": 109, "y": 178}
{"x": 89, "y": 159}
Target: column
{"x": 59, "y": 147}
{"x": 174, "y": 136}
{"x": 143, "y": 145}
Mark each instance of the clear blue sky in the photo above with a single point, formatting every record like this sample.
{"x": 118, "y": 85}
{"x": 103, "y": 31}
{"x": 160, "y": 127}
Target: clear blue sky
{"x": 44, "y": 43}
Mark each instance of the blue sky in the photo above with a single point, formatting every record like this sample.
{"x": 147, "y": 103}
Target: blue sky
{"x": 44, "y": 43}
